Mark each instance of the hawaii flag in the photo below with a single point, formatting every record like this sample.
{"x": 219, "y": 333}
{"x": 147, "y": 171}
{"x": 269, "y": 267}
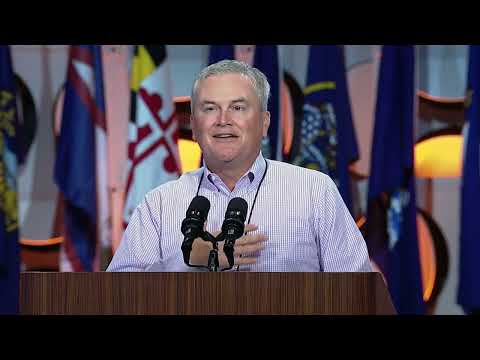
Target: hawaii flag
{"x": 153, "y": 130}
{"x": 81, "y": 162}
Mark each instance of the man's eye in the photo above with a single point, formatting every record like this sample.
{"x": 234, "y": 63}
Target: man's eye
{"x": 238, "y": 107}
{"x": 208, "y": 108}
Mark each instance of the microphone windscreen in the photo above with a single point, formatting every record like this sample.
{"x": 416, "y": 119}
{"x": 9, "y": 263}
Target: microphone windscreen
{"x": 237, "y": 205}
{"x": 200, "y": 204}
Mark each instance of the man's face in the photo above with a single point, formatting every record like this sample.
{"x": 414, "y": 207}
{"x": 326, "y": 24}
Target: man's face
{"x": 227, "y": 120}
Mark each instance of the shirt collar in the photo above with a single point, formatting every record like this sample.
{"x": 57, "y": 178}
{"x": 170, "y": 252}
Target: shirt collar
{"x": 254, "y": 174}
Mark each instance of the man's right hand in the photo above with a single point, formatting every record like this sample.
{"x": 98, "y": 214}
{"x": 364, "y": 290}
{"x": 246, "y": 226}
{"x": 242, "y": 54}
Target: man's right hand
{"x": 246, "y": 249}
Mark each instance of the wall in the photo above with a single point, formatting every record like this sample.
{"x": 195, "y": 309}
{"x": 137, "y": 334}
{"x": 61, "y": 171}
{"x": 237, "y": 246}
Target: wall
{"x": 43, "y": 68}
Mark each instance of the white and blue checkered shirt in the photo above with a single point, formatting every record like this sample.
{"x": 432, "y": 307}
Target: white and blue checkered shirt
{"x": 308, "y": 226}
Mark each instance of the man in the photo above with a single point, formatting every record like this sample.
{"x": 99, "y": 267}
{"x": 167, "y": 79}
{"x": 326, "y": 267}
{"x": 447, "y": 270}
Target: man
{"x": 296, "y": 219}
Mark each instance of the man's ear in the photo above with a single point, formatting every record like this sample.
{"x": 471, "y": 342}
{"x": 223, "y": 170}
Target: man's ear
{"x": 192, "y": 127}
{"x": 266, "y": 123}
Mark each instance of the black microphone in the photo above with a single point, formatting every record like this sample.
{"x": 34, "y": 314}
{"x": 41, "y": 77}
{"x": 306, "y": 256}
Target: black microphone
{"x": 192, "y": 225}
{"x": 233, "y": 225}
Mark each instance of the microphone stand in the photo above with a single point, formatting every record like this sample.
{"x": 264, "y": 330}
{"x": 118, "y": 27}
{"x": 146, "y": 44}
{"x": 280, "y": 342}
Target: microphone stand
{"x": 213, "y": 263}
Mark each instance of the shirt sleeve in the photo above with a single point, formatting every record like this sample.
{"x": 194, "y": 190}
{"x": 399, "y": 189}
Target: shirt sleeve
{"x": 342, "y": 247}
{"x": 140, "y": 246}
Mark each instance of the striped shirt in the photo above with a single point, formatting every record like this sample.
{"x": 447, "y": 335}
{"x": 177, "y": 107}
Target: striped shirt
{"x": 308, "y": 226}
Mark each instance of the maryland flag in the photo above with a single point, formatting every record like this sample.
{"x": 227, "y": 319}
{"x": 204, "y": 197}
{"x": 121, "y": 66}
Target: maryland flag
{"x": 153, "y": 157}
{"x": 9, "y": 247}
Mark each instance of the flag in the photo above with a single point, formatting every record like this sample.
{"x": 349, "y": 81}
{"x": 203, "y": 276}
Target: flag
{"x": 265, "y": 58}
{"x": 391, "y": 219}
{"x": 9, "y": 247}
{"x": 81, "y": 160}
{"x": 221, "y": 52}
{"x": 328, "y": 140}
{"x": 153, "y": 157}
{"x": 469, "y": 283}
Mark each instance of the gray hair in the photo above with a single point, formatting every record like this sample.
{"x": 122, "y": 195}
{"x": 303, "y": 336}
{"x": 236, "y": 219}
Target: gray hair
{"x": 256, "y": 77}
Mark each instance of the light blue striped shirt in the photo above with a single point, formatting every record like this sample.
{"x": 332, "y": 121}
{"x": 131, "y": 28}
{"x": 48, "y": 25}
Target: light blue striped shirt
{"x": 308, "y": 226}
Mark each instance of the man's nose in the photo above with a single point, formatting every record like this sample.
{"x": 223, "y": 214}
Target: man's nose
{"x": 224, "y": 118}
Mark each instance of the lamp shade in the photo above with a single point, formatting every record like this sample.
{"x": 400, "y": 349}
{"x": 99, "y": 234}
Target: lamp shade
{"x": 439, "y": 155}
{"x": 190, "y": 155}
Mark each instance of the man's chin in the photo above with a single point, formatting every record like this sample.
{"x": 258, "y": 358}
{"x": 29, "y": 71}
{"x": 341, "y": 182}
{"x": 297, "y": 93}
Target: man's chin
{"x": 226, "y": 157}
{"x": 222, "y": 160}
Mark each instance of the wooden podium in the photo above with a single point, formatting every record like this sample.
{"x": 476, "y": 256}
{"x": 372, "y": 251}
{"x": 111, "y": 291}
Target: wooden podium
{"x": 203, "y": 293}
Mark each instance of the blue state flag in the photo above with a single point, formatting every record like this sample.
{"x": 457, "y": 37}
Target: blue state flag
{"x": 328, "y": 140}
{"x": 221, "y": 52}
{"x": 9, "y": 246}
{"x": 391, "y": 220}
{"x": 469, "y": 282}
{"x": 265, "y": 59}
{"x": 75, "y": 166}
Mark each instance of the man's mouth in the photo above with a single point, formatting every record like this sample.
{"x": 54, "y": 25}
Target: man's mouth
{"x": 225, "y": 136}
